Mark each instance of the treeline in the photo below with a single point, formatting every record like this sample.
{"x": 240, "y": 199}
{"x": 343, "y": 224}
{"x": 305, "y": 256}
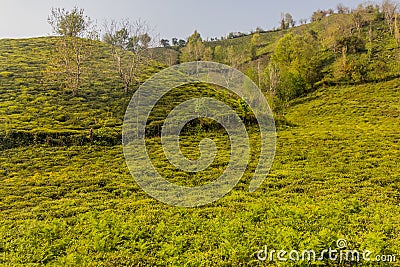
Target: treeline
{"x": 288, "y": 21}
{"x": 345, "y": 47}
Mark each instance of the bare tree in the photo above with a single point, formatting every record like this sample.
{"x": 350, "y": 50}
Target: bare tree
{"x": 342, "y": 9}
{"x": 358, "y": 17}
{"x": 274, "y": 77}
{"x": 389, "y": 9}
{"x": 303, "y": 21}
{"x": 74, "y": 47}
{"x": 396, "y": 30}
{"x": 130, "y": 44}
{"x": 283, "y": 24}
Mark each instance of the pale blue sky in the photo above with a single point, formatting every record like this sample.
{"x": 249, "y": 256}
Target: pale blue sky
{"x": 169, "y": 18}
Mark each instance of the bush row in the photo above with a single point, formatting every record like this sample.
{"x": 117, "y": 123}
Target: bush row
{"x": 13, "y": 138}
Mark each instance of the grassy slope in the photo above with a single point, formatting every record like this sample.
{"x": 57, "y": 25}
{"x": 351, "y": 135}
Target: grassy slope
{"x": 32, "y": 102}
{"x": 28, "y": 97}
{"x": 336, "y": 175}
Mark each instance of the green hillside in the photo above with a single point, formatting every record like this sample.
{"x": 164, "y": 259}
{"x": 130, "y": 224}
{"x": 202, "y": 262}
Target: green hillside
{"x": 69, "y": 200}
{"x": 336, "y": 175}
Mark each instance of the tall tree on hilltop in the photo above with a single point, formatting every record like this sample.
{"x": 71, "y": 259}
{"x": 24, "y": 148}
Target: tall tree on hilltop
{"x": 194, "y": 49}
{"x": 74, "y": 47}
{"x": 289, "y": 21}
{"x": 341, "y": 9}
{"x": 130, "y": 45}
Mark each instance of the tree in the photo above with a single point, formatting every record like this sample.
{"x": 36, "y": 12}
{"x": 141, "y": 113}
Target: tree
{"x": 254, "y": 43}
{"x": 74, "y": 47}
{"x": 169, "y": 57}
{"x": 208, "y": 54}
{"x": 165, "y": 43}
{"x": 194, "y": 48}
{"x": 144, "y": 40}
{"x": 337, "y": 33}
{"x": 72, "y": 23}
{"x": 396, "y": 30}
{"x": 296, "y": 64}
{"x": 318, "y": 15}
{"x": 359, "y": 17}
{"x": 219, "y": 54}
{"x": 342, "y": 9}
{"x": 303, "y": 21}
{"x": 289, "y": 21}
{"x": 181, "y": 43}
{"x": 130, "y": 47}
{"x": 233, "y": 58}
{"x": 273, "y": 77}
{"x": 259, "y": 29}
{"x": 389, "y": 9}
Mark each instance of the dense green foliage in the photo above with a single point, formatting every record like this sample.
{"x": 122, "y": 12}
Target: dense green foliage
{"x": 349, "y": 48}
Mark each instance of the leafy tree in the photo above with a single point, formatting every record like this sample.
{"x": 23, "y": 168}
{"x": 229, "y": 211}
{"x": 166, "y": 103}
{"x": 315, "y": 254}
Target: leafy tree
{"x": 74, "y": 47}
{"x": 243, "y": 108}
{"x": 165, "y": 43}
{"x": 353, "y": 69}
{"x": 318, "y": 15}
{"x": 259, "y": 29}
{"x": 72, "y": 23}
{"x": 194, "y": 49}
{"x": 144, "y": 40}
{"x": 289, "y": 21}
{"x": 233, "y": 57}
{"x": 181, "y": 43}
{"x": 254, "y": 43}
{"x": 219, "y": 54}
{"x": 208, "y": 54}
{"x": 296, "y": 64}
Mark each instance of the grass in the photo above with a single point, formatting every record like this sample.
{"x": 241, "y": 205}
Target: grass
{"x": 336, "y": 175}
